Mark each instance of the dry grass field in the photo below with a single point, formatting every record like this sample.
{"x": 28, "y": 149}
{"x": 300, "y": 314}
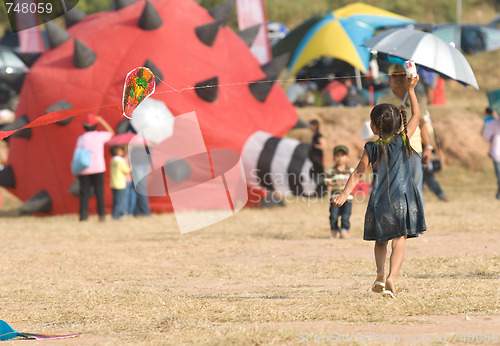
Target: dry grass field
{"x": 264, "y": 276}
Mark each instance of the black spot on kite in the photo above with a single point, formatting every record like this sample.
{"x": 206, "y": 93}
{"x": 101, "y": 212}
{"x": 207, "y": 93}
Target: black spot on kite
{"x": 56, "y": 35}
{"x": 7, "y": 178}
{"x": 208, "y": 32}
{"x": 17, "y": 124}
{"x": 83, "y": 56}
{"x": 39, "y": 203}
{"x": 150, "y": 19}
{"x": 208, "y": 90}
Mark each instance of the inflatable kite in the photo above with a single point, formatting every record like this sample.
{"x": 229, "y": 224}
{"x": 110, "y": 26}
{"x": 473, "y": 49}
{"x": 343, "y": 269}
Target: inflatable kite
{"x": 237, "y": 103}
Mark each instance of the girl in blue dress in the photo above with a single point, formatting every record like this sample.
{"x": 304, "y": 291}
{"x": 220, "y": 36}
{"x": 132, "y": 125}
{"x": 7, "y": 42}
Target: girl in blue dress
{"x": 395, "y": 210}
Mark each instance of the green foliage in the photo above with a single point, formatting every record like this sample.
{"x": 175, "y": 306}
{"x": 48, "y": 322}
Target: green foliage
{"x": 93, "y": 6}
{"x": 292, "y": 13}
{"x": 4, "y": 20}
{"x": 210, "y": 3}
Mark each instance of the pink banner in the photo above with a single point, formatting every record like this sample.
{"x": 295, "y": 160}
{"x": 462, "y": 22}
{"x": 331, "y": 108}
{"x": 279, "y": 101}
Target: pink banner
{"x": 30, "y": 38}
{"x": 250, "y": 13}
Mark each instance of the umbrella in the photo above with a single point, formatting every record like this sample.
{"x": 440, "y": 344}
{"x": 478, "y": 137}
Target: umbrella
{"x": 338, "y": 34}
{"x": 371, "y": 15}
{"x": 126, "y": 139}
{"x": 338, "y": 38}
{"x": 426, "y": 50}
{"x": 290, "y": 42}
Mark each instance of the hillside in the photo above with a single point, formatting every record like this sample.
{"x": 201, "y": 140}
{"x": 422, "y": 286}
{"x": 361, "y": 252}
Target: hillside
{"x": 458, "y": 129}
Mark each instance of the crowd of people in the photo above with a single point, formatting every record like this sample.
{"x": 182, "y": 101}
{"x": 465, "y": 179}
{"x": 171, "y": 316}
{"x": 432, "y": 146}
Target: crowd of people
{"x": 324, "y": 87}
{"x": 342, "y": 91}
{"x": 126, "y": 200}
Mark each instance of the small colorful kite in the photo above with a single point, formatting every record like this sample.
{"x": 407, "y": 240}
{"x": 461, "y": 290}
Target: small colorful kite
{"x": 139, "y": 85}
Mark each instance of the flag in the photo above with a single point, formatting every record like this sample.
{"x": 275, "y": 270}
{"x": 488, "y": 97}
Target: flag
{"x": 30, "y": 38}
{"x": 250, "y": 13}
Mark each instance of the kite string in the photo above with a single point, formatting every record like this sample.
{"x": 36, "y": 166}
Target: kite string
{"x": 246, "y": 83}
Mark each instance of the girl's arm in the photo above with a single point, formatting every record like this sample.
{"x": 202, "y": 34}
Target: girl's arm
{"x": 353, "y": 180}
{"x": 415, "y": 108}
{"x": 105, "y": 124}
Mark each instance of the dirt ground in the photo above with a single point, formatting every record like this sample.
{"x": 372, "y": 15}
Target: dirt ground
{"x": 263, "y": 276}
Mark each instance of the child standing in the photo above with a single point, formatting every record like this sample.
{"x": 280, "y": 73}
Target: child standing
{"x": 118, "y": 180}
{"x": 338, "y": 176}
{"x": 395, "y": 210}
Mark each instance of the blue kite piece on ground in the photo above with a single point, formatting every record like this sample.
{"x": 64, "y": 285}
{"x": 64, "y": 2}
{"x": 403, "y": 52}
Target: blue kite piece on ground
{"x": 7, "y": 333}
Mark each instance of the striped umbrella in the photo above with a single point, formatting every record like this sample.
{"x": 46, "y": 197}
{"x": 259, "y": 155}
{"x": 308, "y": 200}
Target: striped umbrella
{"x": 338, "y": 34}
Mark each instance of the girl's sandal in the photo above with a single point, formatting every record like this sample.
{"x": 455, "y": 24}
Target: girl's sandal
{"x": 378, "y": 286}
{"x": 388, "y": 294}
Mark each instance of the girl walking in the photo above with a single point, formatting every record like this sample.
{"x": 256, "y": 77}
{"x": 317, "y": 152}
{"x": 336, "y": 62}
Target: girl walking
{"x": 395, "y": 210}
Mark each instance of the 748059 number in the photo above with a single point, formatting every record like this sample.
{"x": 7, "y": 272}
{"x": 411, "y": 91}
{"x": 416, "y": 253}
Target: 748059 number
{"x": 28, "y": 8}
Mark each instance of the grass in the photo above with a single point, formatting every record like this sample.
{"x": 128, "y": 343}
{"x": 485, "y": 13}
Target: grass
{"x": 260, "y": 277}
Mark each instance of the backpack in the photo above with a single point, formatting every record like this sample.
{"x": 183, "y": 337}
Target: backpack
{"x": 81, "y": 158}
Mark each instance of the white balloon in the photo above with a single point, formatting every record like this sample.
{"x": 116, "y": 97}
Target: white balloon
{"x": 153, "y": 120}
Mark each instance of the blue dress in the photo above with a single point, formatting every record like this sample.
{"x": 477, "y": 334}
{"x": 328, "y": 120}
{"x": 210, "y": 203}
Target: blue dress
{"x": 395, "y": 207}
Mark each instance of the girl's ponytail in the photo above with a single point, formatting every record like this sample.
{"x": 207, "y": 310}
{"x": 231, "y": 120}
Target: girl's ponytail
{"x": 408, "y": 147}
{"x": 381, "y": 145}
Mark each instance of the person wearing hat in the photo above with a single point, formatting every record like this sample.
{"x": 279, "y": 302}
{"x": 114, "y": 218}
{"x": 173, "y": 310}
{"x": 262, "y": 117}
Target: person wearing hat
{"x": 420, "y": 141}
{"x": 337, "y": 177}
{"x": 93, "y": 176}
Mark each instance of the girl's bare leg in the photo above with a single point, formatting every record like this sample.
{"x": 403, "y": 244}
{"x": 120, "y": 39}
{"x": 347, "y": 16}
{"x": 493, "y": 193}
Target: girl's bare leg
{"x": 396, "y": 260}
{"x": 380, "y": 251}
